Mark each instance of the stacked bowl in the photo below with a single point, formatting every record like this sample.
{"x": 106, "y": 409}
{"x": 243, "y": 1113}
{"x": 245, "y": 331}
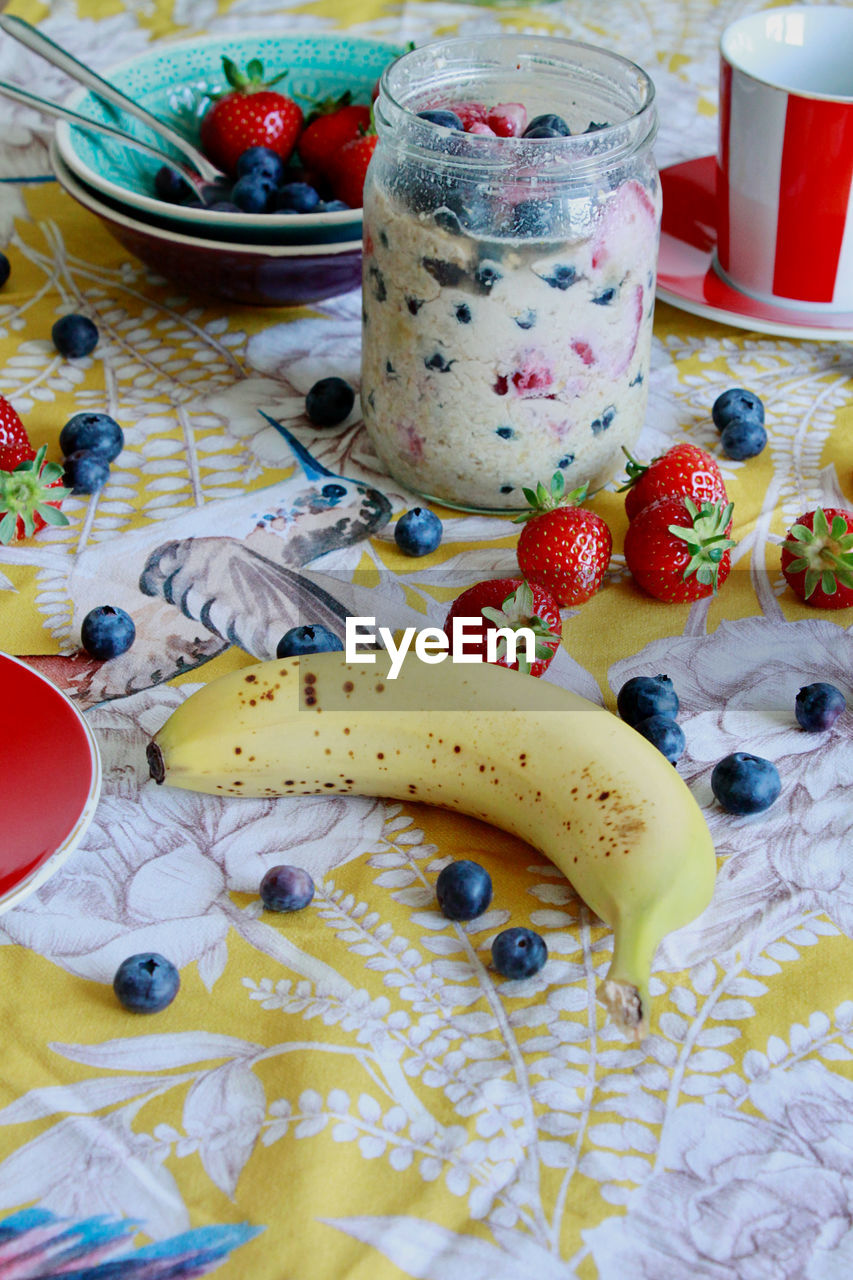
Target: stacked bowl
{"x": 258, "y": 259}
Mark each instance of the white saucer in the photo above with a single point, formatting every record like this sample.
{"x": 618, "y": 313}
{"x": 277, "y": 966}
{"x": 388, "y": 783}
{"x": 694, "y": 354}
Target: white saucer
{"x": 686, "y": 278}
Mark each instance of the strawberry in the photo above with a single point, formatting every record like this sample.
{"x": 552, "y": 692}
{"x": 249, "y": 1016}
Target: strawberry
{"x": 333, "y": 123}
{"x": 351, "y": 167}
{"x": 509, "y": 603}
{"x": 507, "y": 119}
{"x": 684, "y": 470}
{"x": 250, "y": 114}
{"x": 817, "y": 558}
{"x": 15, "y": 444}
{"x": 678, "y": 551}
{"x": 563, "y": 547}
{"x": 468, "y": 112}
{"x": 30, "y": 497}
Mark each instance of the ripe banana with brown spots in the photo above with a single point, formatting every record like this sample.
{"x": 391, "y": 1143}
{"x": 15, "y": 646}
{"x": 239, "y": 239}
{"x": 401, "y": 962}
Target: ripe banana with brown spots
{"x": 565, "y": 775}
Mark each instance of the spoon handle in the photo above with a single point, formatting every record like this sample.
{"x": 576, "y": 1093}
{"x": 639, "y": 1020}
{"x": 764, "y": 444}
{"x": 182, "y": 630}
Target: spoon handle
{"x": 41, "y": 44}
{"x": 82, "y": 122}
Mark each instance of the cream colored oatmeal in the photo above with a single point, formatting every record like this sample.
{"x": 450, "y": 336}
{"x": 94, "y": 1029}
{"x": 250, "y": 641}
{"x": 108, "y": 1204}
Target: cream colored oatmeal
{"x": 489, "y": 364}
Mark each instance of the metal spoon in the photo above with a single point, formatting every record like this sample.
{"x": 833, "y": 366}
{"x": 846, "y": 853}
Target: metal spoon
{"x": 41, "y": 44}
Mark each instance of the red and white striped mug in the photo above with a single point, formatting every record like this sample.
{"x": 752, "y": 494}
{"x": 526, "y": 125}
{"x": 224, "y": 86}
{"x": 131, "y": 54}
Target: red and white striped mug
{"x": 785, "y": 156}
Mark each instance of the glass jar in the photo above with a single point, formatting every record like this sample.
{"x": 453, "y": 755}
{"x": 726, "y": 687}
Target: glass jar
{"x": 509, "y": 281}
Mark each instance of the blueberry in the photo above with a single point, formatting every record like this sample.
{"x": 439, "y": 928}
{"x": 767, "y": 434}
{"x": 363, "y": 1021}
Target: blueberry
{"x": 377, "y": 283}
{"x": 286, "y": 888}
{"x": 818, "y": 706}
{"x": 566, "y": 461}
{"x": 171, "y": 186}
{"x": 85, "y": 472}
{"x": 463, "y": 313}
{"x": 329, "y": 402}
{"x": 225, "y": 206}
{"x": 601, "y": 424}
{"x": 531, "y": 218}
{"x": 146, "y": 983}
{"x": 644, "y": 696}
{"x": 604, "y": 298}
{"x": 313, "y": 638}
{"x": 518, "y": 953}
{"x": 526, "y": 320}
{"x": 443, "y": 272}
{"x": 744, "y": 783}
{"x": 74, "y": 336}
{"x": 505, "y": 433}
{"x": 253, "y": 194}
{"x": 5, "y": 269}
{"x": 460, "y": 212}
{"x": 743, "y": 438}
{"x": 420, "y": 189}
{"x": 663, "y": 733}
{"x": 438, "y": 362}
{"x": 736, "y": 403}
{"x": 331, "y": 206}
{"x": 547, "y": 121}
{"x": 297, "y": 197}
{"x": 562, "y": 277}
{"x": 263, "y": 163}
{"x": 447, "y": 119}
{"x": 414, "y": 305}
{"x": 107, "y": 632}
{"x": 418, "y": 531}
{"x": 448, "y": 220}
{"x": 463, "y": 889}
{"x": 594, "y": 126}
{"x": 487, "y": 275}
{"x": 94, "y": 432}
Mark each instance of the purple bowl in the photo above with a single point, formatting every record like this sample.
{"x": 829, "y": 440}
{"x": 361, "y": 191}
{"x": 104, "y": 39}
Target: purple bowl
{"x": 253, "y": 278}
{"x": 253, "y": 275}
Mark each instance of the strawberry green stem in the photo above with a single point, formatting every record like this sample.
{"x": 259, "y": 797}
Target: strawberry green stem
{"x": 327, "y": 106}
{"x": 707, "y": 540}
{"x": 634, "y": 471}
{"x": 516, "y": 613}
{"x": 824, "y": 553}
{"x": 27, "y": 492}
{"x": 251, "y": 80}
{"x": 542, "y": 499}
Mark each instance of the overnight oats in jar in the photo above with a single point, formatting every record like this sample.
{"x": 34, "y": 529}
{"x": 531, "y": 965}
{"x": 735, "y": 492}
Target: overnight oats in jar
{"x": 509, "y": 271}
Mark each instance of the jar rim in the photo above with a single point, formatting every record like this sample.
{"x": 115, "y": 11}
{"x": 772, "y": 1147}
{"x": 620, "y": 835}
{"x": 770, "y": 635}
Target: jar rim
{"x": 575, "y": 154}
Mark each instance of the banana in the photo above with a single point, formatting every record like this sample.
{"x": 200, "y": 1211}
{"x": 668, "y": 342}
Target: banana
{"x": 529, "y": 757}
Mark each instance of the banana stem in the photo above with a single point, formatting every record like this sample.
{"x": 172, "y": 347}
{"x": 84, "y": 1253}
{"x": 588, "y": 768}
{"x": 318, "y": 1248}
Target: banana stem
{"x": 625, "y": 990}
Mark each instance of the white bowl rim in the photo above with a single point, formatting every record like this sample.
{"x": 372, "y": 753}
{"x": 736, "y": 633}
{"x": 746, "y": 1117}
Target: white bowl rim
{"x": 280, "y": 221}
{"x": 68, "y": 181}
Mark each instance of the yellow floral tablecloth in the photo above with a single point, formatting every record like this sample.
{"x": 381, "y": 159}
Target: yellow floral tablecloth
{"x": 350, "y": 1093}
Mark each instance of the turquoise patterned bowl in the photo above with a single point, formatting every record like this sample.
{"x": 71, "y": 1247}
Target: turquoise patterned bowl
{"x": 283, "y": 275}
{"x": 175, "y": 81}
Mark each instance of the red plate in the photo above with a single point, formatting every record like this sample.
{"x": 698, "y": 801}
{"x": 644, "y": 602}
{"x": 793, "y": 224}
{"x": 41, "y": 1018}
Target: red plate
{"x": 50, "y": 778}
{"x": 686, "y": 276}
